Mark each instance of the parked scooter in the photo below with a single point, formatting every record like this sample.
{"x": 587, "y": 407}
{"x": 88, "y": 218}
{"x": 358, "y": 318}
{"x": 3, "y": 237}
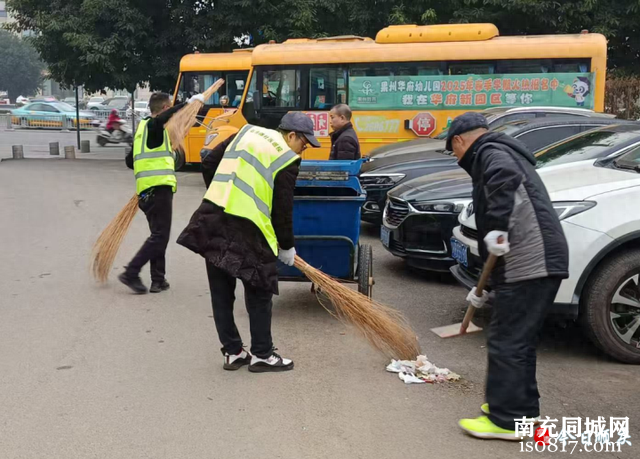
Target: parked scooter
{"x": 121, "y": 135}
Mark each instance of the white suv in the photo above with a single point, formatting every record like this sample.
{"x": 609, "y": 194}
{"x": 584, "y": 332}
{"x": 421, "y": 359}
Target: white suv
{"x": 598, "y": 204}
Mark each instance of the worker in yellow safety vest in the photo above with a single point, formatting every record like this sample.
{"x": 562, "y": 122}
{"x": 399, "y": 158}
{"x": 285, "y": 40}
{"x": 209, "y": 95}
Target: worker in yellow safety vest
{"x": 153, "y": 162}
{"x": 244, "y": 224}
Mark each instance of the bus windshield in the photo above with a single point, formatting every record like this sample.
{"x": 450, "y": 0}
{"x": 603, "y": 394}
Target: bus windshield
{"x": 192, "y": 83}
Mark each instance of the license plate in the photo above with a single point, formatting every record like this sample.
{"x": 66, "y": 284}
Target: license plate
{"x": 385, "y": 236}
{"x": 459, "y": 251}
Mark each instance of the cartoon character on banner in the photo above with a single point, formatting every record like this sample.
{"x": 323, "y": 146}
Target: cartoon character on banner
{"x": 579, "y": 90}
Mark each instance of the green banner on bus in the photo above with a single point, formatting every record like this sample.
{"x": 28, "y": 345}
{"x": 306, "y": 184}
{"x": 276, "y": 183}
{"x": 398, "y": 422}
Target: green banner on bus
{"x": 460, "y": 92}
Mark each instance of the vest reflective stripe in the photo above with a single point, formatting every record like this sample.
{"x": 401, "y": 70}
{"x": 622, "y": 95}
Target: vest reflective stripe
{"x": 284, "y": 159}
{"x": 155, "y": 173}
{"x": 265, "y": 172}
{"x": 244, "y": 181}
{"x": 246, "y": 189}
{"x": 150, "y": 155}
{"x": 152, "y": 167}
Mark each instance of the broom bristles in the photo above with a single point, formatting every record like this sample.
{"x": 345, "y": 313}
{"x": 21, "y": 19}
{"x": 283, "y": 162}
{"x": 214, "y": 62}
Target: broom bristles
{"x": 179, "y": 125}
{"x": 385, "y": 328}
{"x": 106, "y": 247}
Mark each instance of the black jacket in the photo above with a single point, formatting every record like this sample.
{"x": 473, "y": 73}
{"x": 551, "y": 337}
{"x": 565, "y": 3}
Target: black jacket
{"x": 508, "y": 195}
{"x": 235, "y": 244}
{"x": 344, "y": 144}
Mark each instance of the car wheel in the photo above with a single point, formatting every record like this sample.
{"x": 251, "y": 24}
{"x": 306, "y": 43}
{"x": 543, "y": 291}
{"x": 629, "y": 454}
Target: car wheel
{"x": 611, "y": 307}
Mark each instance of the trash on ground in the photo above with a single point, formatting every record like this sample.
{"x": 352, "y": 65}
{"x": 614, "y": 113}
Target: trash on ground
{"x": 421, "y": 371}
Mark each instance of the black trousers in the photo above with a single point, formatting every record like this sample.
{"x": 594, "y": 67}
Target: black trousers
{"x": 517, "y": 318}
{"x": 258, "y": 303}
{"x": 157, "y": 205}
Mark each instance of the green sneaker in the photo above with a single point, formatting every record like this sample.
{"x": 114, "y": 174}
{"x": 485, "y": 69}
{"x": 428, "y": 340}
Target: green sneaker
{"x": 485, "y": 410}
{"x": 482, "y": 427}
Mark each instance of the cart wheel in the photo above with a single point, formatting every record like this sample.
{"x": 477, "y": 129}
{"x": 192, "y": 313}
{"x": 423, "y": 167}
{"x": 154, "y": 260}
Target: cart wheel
{"x": 365, "y": 270}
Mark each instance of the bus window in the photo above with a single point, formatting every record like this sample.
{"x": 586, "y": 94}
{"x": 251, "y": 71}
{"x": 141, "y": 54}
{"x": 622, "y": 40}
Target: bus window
{"x": 327, "y": 87}
{"x": 370, "y": 70}
{"x": 248, "y": 109}
{"x": 196, "y": 83}
{"x": 472, "y": 68}
{"x": 571, "y": 65}
{"x": 281, "y": 88}
{"x": 418, "y": 69}
{"x": 234, "y": 83}
{"x": 525, "y": 66}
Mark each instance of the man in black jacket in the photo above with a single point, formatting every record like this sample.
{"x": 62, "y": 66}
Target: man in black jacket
{"x": 344, "y": 140}
{"x": 516, "y": 222}
{"x": 236, "y": 248}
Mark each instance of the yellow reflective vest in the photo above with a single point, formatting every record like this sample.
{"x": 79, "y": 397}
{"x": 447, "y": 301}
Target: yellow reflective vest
{"x": 244, "y": 181}
{"x": 152, "y": 167}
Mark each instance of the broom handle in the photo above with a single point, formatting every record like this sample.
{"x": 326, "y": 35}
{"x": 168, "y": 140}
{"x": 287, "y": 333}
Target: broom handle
{"x": 484, "y": 277}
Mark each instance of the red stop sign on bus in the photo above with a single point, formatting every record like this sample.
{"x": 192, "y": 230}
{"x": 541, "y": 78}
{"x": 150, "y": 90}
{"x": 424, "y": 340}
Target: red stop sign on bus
{"x": 423, "y": 124}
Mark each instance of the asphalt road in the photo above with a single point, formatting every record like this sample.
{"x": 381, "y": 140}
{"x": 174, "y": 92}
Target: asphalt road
{"x": 89, "y": 371}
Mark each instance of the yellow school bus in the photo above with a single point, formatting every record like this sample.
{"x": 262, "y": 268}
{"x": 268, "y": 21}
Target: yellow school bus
{"x": 197, "y": 73}
{"x": 411, "y": 81}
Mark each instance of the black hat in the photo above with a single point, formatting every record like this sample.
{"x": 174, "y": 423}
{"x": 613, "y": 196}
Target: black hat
{"x": 465, "y": 123}
{"x": 299, "y": 123}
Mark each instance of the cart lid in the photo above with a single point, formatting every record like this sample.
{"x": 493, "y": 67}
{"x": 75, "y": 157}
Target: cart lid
{"x": 330, "y": 170}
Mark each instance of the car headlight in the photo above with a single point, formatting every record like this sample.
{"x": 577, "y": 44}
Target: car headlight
{"x": 438, "y": 206}
{"x": 210, "y": 138}
{"x": 566, "y": 209}
{"x": 380, "y": 180}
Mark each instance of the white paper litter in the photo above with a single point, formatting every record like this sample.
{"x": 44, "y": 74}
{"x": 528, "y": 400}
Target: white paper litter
{"x": 420, "y": 371}
{"x": 409, "y": 378}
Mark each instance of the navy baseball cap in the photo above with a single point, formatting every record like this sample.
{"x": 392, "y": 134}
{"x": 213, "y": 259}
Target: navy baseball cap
{"x": 465, "y": 123}
{"x": 299, "y": 123}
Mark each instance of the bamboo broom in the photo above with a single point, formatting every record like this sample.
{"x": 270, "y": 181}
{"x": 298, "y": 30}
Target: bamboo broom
{"x": 108, "y": 243}
{"x": 179, "y": 125}
{"x": 106, "y": 247}
{"x": 385, "y": 328}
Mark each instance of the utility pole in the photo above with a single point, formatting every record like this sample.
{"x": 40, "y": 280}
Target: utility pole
{"x": 78, "y": 116}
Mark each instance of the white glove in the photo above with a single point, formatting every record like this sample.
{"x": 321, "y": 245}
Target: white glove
{"x": 199, "y": 97}
{"x": 493, "y": 246}
{"x": 475, "y": 300}
{"x": 287, "y": 256}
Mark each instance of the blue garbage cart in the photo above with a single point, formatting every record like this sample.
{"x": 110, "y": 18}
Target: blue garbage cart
{"x": 326, "y": 224}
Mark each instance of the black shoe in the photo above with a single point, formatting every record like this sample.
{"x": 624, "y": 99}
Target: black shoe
{"x": 272, "y": 363}
{"x": 157, "y": 287}
{"x": 235, "y": 362}
{"x": 134, "y": 283}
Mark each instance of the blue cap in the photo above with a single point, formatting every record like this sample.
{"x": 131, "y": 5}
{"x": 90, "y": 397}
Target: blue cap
{"x": 465, "y": 123}
{"x": 299, "y": 123}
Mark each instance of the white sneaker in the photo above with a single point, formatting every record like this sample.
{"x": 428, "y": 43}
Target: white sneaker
{"x": 235, "y": 362}
{"x": 273, "y": 363}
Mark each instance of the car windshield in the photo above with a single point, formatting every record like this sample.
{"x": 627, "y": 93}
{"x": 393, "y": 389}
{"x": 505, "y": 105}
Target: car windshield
{"x": 442, "y": 135}
{"x": 510, "y": 128}
{"x": 64, "y": 107}
{"x": 141, "y": 105}
{"x": 96, "y": 99}
{"x": 118, "y": 102}
{"x": 588, "y": 146}
{"x": 629, "y": 160}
